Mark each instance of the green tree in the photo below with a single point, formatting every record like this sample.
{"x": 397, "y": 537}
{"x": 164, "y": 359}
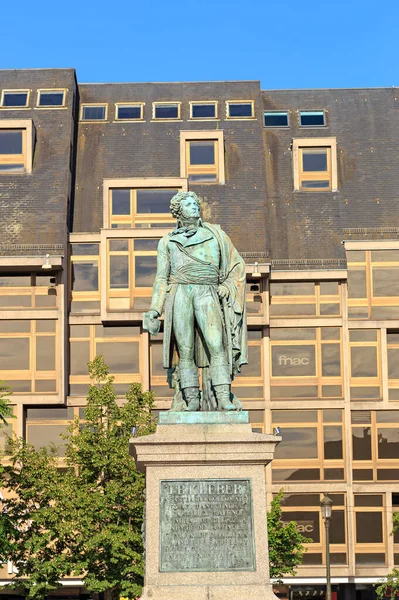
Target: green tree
{"x": 83, "y": 520}
{"x": 389, "y": 586}
{"x": 286, "y": 543}
{"x": 5, "y": 408}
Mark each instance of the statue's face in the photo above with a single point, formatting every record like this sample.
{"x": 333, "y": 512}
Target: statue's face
{"x": 190, "y": 208}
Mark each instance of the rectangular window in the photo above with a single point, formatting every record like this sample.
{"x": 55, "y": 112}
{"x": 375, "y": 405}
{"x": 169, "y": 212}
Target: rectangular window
{"x": 12, "y": 150}
{"x": 311, "y": 440}
{"x": 240, "y": 109}
{"x": 166, "y": 110}
{"x": 131, "y": 271}
{"x": 14, "y": 99}
{"x": 305, "y": 363}
{"x": 373, "y": 288}
{"x": 29, "y": 355}
{"x": 315, "y": 164}
{"x": 315, "y": 169}
{"x": 19, "y": 292}
{"x": 203, "y": 110}
{"x": 312, "y": 118}
{"x": 365, "y": 364}
{"x": 305, "y": 299}
{"x": 275, "y": 118}
{"x": 93, "y": 112}
{"x": 249, "y": 383}
{"x": 201, "y": 161}
{"x": 120, "y": 346}
{"x": 375, "y": 445}
{"x": 50, "y": 98}
{"x": 85, "y": 278}
{"x": 140, "y": 207}
{"x": 370, "y": 536}
{"x": 129, "y": 112}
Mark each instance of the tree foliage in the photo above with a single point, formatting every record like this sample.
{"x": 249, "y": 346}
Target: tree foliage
{"x": 286, "y": 543}
{"x": 83, "y": 520}
{"x": 389, "y": 586}
{"x": 5, "y": 408}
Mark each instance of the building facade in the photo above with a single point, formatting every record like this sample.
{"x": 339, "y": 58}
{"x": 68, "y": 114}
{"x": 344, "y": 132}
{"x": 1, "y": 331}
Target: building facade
{"x": 305, "y": 184}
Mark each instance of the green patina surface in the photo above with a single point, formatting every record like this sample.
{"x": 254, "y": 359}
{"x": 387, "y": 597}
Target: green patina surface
{"x": 203, "y": 418}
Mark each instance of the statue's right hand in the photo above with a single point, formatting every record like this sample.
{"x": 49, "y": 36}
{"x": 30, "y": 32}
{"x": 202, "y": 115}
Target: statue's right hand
{"x": 152, "y": 314}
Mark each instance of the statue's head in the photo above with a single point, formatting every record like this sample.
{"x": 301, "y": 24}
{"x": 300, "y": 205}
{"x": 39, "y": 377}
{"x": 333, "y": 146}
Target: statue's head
{"x": 185, "y": 205}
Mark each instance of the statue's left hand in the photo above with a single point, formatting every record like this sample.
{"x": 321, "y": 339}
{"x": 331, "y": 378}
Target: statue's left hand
{"x": 223, "y": 292}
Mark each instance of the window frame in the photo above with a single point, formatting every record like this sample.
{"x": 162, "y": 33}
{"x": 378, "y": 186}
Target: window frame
{"x": 93, "y": 105}
{"x": 171, "y": 102}
{"x": 48, "y": 91}
{"x": 6, "y": 91}
{"x": 193, "y": 136}
{"x": 141, "y": 105}
{"x": 85, "y": 296}
{"x": 317, "y": 300}
{"x": 269, "y": 112}
{"x": 298, "y": 144}
{"x": 315, "y": 110}
{"x": 28, "y": 142}
{"x": 364, "y": 382}
{"x": 374, "y": 463}
{"x": 179, "y": 183}
{"x": 230, "y": 102}
{"x": 215, "y": 103}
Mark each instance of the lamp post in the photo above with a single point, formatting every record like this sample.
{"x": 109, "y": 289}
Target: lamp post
{"x": 326, "y": 512}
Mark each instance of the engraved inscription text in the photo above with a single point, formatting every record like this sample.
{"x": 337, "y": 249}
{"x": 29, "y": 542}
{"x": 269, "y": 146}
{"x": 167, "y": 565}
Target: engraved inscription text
{"x": 206, "y": 525}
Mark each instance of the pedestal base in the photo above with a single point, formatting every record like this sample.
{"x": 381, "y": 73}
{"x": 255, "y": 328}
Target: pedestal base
{"x": 205, "y": 534}
{"x": 208, "y": 592}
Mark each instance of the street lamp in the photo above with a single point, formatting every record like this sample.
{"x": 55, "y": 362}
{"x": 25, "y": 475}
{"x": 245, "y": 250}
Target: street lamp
{"x": 326, "y": 512}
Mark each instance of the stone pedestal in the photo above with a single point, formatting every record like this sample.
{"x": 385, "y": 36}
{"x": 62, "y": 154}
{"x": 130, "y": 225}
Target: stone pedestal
{"x": 206, "y": 535}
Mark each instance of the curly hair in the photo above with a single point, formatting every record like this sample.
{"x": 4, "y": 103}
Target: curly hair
{"x": 175, "y": 203}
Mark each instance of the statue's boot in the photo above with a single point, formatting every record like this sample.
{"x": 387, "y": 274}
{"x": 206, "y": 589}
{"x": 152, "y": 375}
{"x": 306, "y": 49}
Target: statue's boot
{"x": 192, "y": 397}
{"x": 223, "y": 397}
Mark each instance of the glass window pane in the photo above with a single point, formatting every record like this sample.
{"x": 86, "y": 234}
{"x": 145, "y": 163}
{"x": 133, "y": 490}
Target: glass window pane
{"x": 85, "y": 276}
{"x": 361, "y": 443}
{"x": 312, "y": 118}
{"x": 146, "y": 245}
{"x": 254, "y": 367}
{"x": 202, "y": 153}
{"x": 306, "y": 288}
{"x": 357, "y": 285}
{"x": 79, "y": 357}
{"x": 157, "y": 360}
{"x": 119, "y": 272}
{"x": 294, "y": 416}
{"x": 85, "y": 249}
{"x": 388, "y": 442}
{"x": 370, "y": 559}
{"x": 331, "y": 360}
{"x": 297, "y": 443}
{"x": 355, "y": 256}
{"x": 154, "y": 201}
{"x": 368, "y": 500}
{"x": 203, "y": 111}
{"x": 93, "y": 113}
{"x": 393, "y": 363}
{"x": 364, "y": 361}
{"x": 328, "y": 288}
{"x": 362, "y": 474}
{"x": 388, "y": 475}
{"x": 117, "y": 331}
{"x": 10, "y": 141}
{"x": 363, "y": 335}
{"x": 276, "y": 119}
{"x": 240, "y": 109}
{"x": 15, "y": 280}
{"x": 337, "y": 529}
{"x": 293, "y": 361}
{"x": 384, "y": 256}
{"x": 386, "y": 281}
{"x": 50, "y": 414}
{"x": 332, "y": 416}
{"x": 301, "y": 500}
{"x": 250, "y": 391}
{"x": 129, "y": 112}
{"x": 45, "y": 386}
{"x": 44, "y": 435}
{"x": 331, "y": 391}
{"x": 204, "y": 177}
{"x": 119, "y": 245}
{"x": 15, "y": 326}
{"x": 294, "y": 391}
{"x": 14, "y": 354}
{"x": 330, "y": 333}
{"x": 121, "y": 357}
{"x": 314, "y": 160}
{"x": 333, "y": 442}
{"x": 15, "y": 99}
{"x": 145, "y": 268}
{"x": 167, "y": 111}
{"x": 309, "y": 333}
{"x": 45, "y": 353}
{"x": 387, "y": 416}
{"x": 369, "y": 527}
{"x": 51, "y": 99}
{"x": 315, "y": 184}
{"x": 121, "y": 202}
{"x": 309, "y": 521}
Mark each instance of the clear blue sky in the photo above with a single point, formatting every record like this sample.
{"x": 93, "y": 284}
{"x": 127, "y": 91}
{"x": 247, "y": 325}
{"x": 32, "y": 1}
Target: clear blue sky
{"x": 284, "y": 43}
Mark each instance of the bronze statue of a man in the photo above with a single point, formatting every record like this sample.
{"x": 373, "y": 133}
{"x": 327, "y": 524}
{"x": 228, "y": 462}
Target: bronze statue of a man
{"x": 201, "y": 280}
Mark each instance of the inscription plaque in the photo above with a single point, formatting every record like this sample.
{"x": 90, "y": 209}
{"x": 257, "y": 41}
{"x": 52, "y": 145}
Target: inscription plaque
{"x": 206, "y": 525}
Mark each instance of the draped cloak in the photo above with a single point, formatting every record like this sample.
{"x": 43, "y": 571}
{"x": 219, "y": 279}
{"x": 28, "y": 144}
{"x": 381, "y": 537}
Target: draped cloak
{"x": 233, "y": 308}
